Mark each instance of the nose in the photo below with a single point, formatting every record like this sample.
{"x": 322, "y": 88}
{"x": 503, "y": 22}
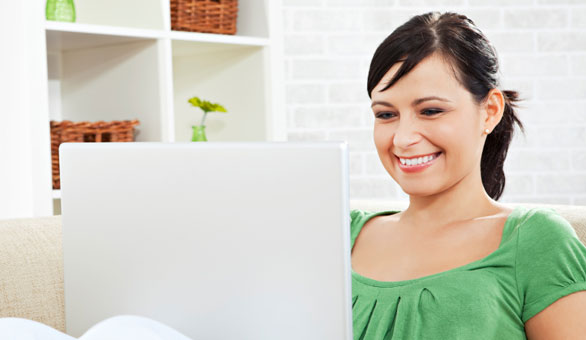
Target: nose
{"x": 406, "y": 134}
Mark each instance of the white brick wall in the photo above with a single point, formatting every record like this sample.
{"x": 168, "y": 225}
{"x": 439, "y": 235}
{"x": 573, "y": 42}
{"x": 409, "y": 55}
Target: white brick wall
{"x": 542, "y": 50}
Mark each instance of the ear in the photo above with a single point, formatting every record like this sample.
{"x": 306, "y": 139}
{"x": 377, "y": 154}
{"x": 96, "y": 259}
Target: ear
{"x": 493, "y": 109}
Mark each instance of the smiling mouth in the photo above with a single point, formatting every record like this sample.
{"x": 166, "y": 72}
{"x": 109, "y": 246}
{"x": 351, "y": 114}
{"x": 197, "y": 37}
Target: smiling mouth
{"x": 419, "y": 161}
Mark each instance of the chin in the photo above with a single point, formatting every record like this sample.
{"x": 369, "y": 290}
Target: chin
{"x": 419, "y": 189}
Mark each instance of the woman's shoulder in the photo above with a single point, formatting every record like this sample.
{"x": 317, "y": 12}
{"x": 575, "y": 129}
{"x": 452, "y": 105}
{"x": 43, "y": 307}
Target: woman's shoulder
{"x": 359, "y": 217}
{"x": 538, "y": 222}
{"x": 550, "y": 260}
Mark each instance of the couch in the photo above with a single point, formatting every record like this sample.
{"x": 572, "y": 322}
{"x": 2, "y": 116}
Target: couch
{"x": 31, "y": 261}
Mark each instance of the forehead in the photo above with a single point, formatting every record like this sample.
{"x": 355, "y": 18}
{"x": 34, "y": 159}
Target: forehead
{"x": 432, "y": 76}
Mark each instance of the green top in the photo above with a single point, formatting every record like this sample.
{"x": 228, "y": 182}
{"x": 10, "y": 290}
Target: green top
{"x": 539, "y": 260}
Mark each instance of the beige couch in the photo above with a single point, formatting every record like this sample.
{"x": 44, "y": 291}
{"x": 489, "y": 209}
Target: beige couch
{"x": 31, "y": 263}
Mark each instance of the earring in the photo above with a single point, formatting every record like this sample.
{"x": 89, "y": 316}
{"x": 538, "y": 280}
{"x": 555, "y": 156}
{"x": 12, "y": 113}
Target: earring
{"x": 487, "y": 131}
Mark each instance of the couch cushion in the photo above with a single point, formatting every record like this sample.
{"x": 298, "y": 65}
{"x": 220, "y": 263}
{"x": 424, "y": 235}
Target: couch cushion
{"x": 31, "y": 268}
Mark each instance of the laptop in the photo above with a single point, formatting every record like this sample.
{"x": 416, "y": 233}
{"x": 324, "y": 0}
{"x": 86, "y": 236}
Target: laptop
{"x": 218, "y": 240}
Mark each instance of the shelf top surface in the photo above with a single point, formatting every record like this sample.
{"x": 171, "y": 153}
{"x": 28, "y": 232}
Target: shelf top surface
{"x": 63, "y": 36}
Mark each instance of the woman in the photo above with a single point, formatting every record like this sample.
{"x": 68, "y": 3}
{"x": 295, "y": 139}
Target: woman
{"x": 456, "y": 264}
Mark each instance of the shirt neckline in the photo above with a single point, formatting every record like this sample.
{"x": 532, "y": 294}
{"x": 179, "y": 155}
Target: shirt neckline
{"x": 509, "y": 222}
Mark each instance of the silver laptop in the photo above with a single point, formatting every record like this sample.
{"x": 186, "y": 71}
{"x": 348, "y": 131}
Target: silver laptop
{"x": 219, "y": 240}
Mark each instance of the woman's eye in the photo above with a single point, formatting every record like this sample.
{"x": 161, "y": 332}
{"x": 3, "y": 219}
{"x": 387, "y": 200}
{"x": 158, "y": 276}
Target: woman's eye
{"x": 385, "y": 115}
{"x": 431, "y": 112}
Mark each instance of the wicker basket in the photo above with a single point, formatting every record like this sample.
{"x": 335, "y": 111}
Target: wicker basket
{"x": 80, "y": 132}
{"x": 208, "y": 16}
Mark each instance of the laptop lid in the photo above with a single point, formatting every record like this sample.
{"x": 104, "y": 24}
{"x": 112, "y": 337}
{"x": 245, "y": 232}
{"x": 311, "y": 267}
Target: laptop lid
{"x": 219, "y": 240}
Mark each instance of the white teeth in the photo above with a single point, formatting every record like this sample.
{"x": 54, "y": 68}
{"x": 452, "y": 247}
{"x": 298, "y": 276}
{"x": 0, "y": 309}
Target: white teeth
{"x": 417, "y": 161}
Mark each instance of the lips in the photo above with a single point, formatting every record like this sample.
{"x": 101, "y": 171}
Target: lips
{"x": 419, "y": 167}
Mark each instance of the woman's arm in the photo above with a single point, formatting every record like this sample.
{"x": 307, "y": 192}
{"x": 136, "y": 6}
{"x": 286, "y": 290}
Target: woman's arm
{"x": 562, "y": 320}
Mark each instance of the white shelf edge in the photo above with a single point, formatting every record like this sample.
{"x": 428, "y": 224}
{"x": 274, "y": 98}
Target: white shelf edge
{"x": 57, "y": 26}
{"x": 218, "y": 38}
{"x": 105, "y": 30}
{"x": 56, "y": 194}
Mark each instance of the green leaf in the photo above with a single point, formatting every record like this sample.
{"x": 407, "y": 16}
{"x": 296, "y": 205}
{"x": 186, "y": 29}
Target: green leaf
{"x": 206, "y": 106}
{"x": 195, "y": 101}
{"x": 219, "y": 108}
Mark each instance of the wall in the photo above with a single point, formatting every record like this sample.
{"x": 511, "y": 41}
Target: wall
{"x": 25, "y": 165}
{"x": 542, "y": 50}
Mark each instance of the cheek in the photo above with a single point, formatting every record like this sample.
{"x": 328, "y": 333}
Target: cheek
{"x": 382, "y": 139}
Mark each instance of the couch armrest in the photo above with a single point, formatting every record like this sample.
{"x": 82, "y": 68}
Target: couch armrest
{"x": 31, "y": 270}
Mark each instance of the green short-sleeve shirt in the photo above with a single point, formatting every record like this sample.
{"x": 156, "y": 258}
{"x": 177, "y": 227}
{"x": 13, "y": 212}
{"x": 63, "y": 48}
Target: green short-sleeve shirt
{"x": 539, "y": 260}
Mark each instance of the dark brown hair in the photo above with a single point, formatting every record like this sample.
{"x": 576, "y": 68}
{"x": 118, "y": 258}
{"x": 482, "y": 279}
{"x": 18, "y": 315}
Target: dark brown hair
{"x": 475, "y": 63}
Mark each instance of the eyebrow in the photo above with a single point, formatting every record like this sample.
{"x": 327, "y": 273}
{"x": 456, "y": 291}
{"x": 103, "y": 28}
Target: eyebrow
{"x": 415, "y": 102}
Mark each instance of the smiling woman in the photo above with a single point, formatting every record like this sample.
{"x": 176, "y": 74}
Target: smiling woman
{"x": 456, "y": 264}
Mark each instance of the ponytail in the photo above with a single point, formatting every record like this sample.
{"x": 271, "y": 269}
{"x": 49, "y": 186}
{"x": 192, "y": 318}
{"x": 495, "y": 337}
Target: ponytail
{"x": 496, "y": 147}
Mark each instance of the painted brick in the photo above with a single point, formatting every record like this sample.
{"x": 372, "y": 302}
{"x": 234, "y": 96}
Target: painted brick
{"x": 287, "y": 20}
{"x": 537, "y": 160}
{"x": 305, "y": 93}
{"x": 561, "y": 89}
{"x": 485, "y": 19}
{"x": 356, "y": 163}
{"x": 307, "y": 44}
{"x": 419, "y": 3}
{"x": 554, "y": 112}
{"x": 561, "y": 184}
{"x": 536, "y": 18}
{"x": 361, "y": 3}
{"x": 386, "y": 20}
{"x": 372, "y": 188}
{"x": 358, "y": 139}
{"x": 303, "y": 3}
{"x": 326, "y": 117}
{"x": 561, "y": 136}
{"x": 517, "y": 185}
{"x": 578, "y": 17}
{"x": 353, "y": 44}
{"x": 326, "y": 68}
{"x": 561, "y": 41}
{"x": 326, "y": 20}
{"x": 499, "y": 3}
{"x": 348, "y": 92}
{"x": 579, "y": 160}
{"x": 535, "y": 65}
{"x": 561, "y": 2}
{"x": 374, "y": 166}
{"x": 578, "y": 65}
{"x": 306, "y": 136}
{"x": 511, "y": 41}
{"x": 525, "y": 87}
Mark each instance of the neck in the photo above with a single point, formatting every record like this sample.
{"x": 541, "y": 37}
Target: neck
{"x": 465, "y": 200}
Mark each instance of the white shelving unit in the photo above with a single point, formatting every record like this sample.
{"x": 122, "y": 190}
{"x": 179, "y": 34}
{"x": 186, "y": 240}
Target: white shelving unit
{"x": 121, "y": 60}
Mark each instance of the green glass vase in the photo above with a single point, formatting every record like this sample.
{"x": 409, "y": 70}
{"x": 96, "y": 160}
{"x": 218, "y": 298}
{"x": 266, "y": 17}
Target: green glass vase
{"x": 60, "y": 10}
{"x": 199, "y": 133}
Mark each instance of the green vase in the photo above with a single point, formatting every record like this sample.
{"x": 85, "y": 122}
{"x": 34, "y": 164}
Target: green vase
{"x": 199, "y": 133}
{"x": 60, "y": 10}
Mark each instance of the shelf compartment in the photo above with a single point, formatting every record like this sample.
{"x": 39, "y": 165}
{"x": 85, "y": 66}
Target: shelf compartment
{"x": 233, "y": 77}
{"x": 110, "y": 82}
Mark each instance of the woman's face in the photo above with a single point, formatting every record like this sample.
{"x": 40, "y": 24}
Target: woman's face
{"x": 427, "y": 114}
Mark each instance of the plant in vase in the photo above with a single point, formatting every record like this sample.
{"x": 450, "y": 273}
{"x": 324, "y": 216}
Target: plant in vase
{"x": 199, "y": 132}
